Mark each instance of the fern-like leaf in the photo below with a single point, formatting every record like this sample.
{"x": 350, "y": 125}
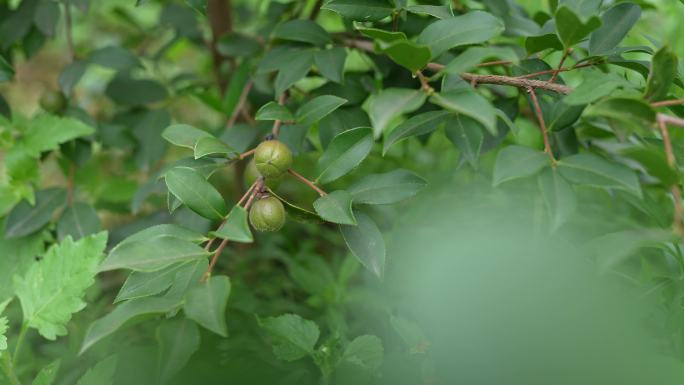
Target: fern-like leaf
{"x": 53, "y": 288}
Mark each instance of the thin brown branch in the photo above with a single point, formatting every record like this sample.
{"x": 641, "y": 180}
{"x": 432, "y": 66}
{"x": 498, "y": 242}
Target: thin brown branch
{"x": 214, "y": 259}
{"x": 307, "y": 182}
{"x": 542, "y": 124}
{"x": 671, "y": 120}
{"x": 672, "y": 162}
{"x": 668, "y": 103}
{"x": 560, "y": 65}
{"x": 495, "y": 63}
{"x": 276, "y": 125}
{"x": 240, "y": 104}
{"x": 219, "y": 13}
{"x": 424, "y": 83}
{"x": 552, "y": 71}
{"x": 247, "y": 153}
{"x": 68, "y": 29}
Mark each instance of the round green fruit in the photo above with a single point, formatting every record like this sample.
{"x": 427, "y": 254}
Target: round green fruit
{"x": 272, "y": 158}
{"x": 53, "y": 101}
{"x": 267, "y": 214}
{"x": 251, "y": 175}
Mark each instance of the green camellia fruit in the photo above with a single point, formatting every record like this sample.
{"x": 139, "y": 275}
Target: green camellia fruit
{"x": 267, "y": 214}
{"x": 251, "y": 175}
{"x": 272, "y": 158}
{"x": 53, "y": 101}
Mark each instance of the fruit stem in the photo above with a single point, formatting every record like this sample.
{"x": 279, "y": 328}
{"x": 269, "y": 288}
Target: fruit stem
{"x": 307, "y": 182}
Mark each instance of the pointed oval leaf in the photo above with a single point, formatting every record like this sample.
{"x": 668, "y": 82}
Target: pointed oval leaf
{"x": 366, "y": 243}
{"x": 361, "y": 10}
{"x": 302, "y": 30}
{"x": 420, "y": 124}
{"x": 472, "y": 28}
{"x": 206, "y": 304}
{"x": 559, "y": 197}
{"x": 317, "y": 108}
{"x": 344, "y": 153}
{"x": 141, "y": 284}
{"x": 152, "y": 254}
{"x": 336, "y": 207}
{"x": 25, "y": 219}
{"x": 589, "y": 169}
{"x": 571, "y": 29}
{"x": 390, "y": 103}
{"x": 78, "y": 221}
{"x": 274, "y": 111}
{"x": 468, "y": 102}
{"x": 210, "y": 145}
{"x": 235, "y": 227}
{"x": 387, "y": 188}
{"x": 330, "y": 63}
{"x": 184, "y": 135}
{"x": 514, "y": 162}
{"x": 466, "y": 134}
{"x": 195, "y": 192}
{"x": 178, "y": 341}
{"x": 617, "y": 21}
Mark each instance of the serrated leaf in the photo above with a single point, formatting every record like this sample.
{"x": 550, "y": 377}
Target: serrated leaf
{"x": 302, "y": 30}
{"x": 274, "y": 111}
{"x": 468, "y": 102}
{"x": 514, "y": 162}
{"x": 48, "y": 374}
{"x": 617, "y": 21}
{"x": 25, "y": 219}
{"x": 336, "y": 207}
{"x": 212, "y": 146}
{"x": 366, "y": 352}
{"x": 178, "y": 340}
{"x": 420, "y": 124}
{"x": 466, "y": 134}
{"x": 78, "y": 220}
{"x": 206, "y": 304}
{"x": 235, "y": 227}
{"x": 390, "y": 103}
{"x": 559, "y": 197}
{"x": 571, "y": 29}
{"x": 195, "y": 192}
{"x": 330, "y": 63}
{"x": 361, "y": 10}
{"x": 386, "y": 188}
{"x": 589, "y": 169}
{"x": 184, "y": 135}
{"x": 293, "y": 337}
{"x": 100, "y": 374}
{"x": 53, "y": 288}
{"x": 472, "y": 28}
{"x": 366, "y": 243}
{"x": 47, "y": 132}
{"x": 317, "y": 108}
{"x": 344, "y": 153}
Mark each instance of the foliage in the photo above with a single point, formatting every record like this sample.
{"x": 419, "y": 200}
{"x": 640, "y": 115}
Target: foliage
{"x": 126, "y": 192}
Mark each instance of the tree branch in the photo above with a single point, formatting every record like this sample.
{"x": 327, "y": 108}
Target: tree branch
{"x": 276, "y": 125}
{"x": 672, "y": 162}
{"x": 307, "y": 182}
{"x": 668, "y": 103}
{"x": 560, "y": 65}
{"x": 220, "y": 19}
{"x": 542, "y": 124}
{"x": 240, "y": 104}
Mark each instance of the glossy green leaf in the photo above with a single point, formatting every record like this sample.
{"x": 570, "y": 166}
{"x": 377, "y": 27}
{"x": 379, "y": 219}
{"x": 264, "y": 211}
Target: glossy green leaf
{"x": 296, "y": 68}
{"x": 467, "y": 135}
{"x": 100, "y": 374}
{"x": 235, "y": 227}
{"x": 617, "y": 21}
{"x": 390, "y": 103}
{"x": 344, "y": 153}
{"x": 420, "y": 124}
{"x": 571, "y": 28}
{"x": 408, "y": 54}
{"x": 25, "y": 219}
{"x": 292, "y": 336}
{"x": 596, "y": 85}
{"x": 178, "y": 340}
{"x": 514, "y": 162}
{"x": 336, "y": 207}
{"x": 206, "y": 304}
{"x": 126, "y": 91}
{"x": 141, "y": 284}
{"x": 184, "y": 135}
{"x": 654, "y": 160}
{"x": 366, "y": 243}
{"x": 472, "y": 28}
{"x": 317, "y": 108}
{"x": 78, "y": 221}
{"x": 473, "y": 56}
{"x": 274, "y": 111}
{"x": 386, "y": 188}
{"x": 165, "y": 230}
{"x": 468, "y": 102}
{"x": 632, "y": 111}
{"x": 383, "y": 35}
{"x": 210, "y": 145}
{"x": 559, "y": 197}
{"x": 361, "y": 10}
{"x": 330, "y": 63}
{"x": 114, "y": 57}
{"x": 302, "y": 30}
{"x": 589, "y": 169}
{"x": 663, "y": 73}
{"x": 438, "y": 11}
{"x": 53, "y": 288}
{"x": 195, "y": 192}
{"x": 152, "y": 254}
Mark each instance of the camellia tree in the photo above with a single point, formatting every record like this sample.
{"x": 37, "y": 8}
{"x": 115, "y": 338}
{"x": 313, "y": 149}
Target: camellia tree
{"x": 195, "y": 163}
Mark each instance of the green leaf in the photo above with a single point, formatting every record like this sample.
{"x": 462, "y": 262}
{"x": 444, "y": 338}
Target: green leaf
{"x": 663, "y": 73}
{"x": 330, "y": 63}
{"x": 468, "y": 102}
{"x": 195, "y": 192}
{"x": 302, "y": 30}
{"x": 238, "y": 45}
{"x": 514, "y": 162}
{"x": 361, "y": 10}
{"x": 420, "y": 124}
{"x": 48, "y": 374}
{"x": 630, "y": 111}
{"x": 297, "y": 213}
{"x": 336, "y": 207}
{"x": 472, "y": 28}
{"x": 438, "y": 11}
{"x": 125, "y": 312}
{"x": 210, "y": 145}
{"x": 589, "y": 169}
{"x": 165, "y": 230}
{"x": 317, "y": 108}
{"x": 53, "y": 288}
{"x": 126, "y": 91}
{"x": 383, "y": 35}
{"x": 100, "y": 374}
{"x": 6, "y": 70}
{"x": 466, "y": 134}
{"x": 178, "y": 340}
{"x": 616, "y": 22}
{"x": 78, "y": 221}
{"x": 387, "y": 188}
{"x": 653, "y": 159}
{"x": 274, "y": 111}
{"x": 366, "y": 352}
{"x": 390, "y": 103}
{"x": 114, "y": 57}
{"x": 473, "y": 56}
{"x": 184, "y": 135}
{"x": 559, "y": 197}
{"x": 141, "y": 284}
{"x": 3, "y": 329}
{"x": 18, "y": 254}
{"x": 152, "y": 254}
{"x": 70, "y": 76}
{"x": 296, "y": 68}
{"x": 571, "y": 29}
{"x": 596, "y": 85}
{"x": 366, "y": 243}
{"x": 47, "y": 132}
{"x": 345, "y": 152}
{"x": 293, "y": 337}
{"x": 235, "y": 228}
{"x": 408, "y": 54}
{"x": 206, "y": 304}
{"x": 25, "y": 219}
